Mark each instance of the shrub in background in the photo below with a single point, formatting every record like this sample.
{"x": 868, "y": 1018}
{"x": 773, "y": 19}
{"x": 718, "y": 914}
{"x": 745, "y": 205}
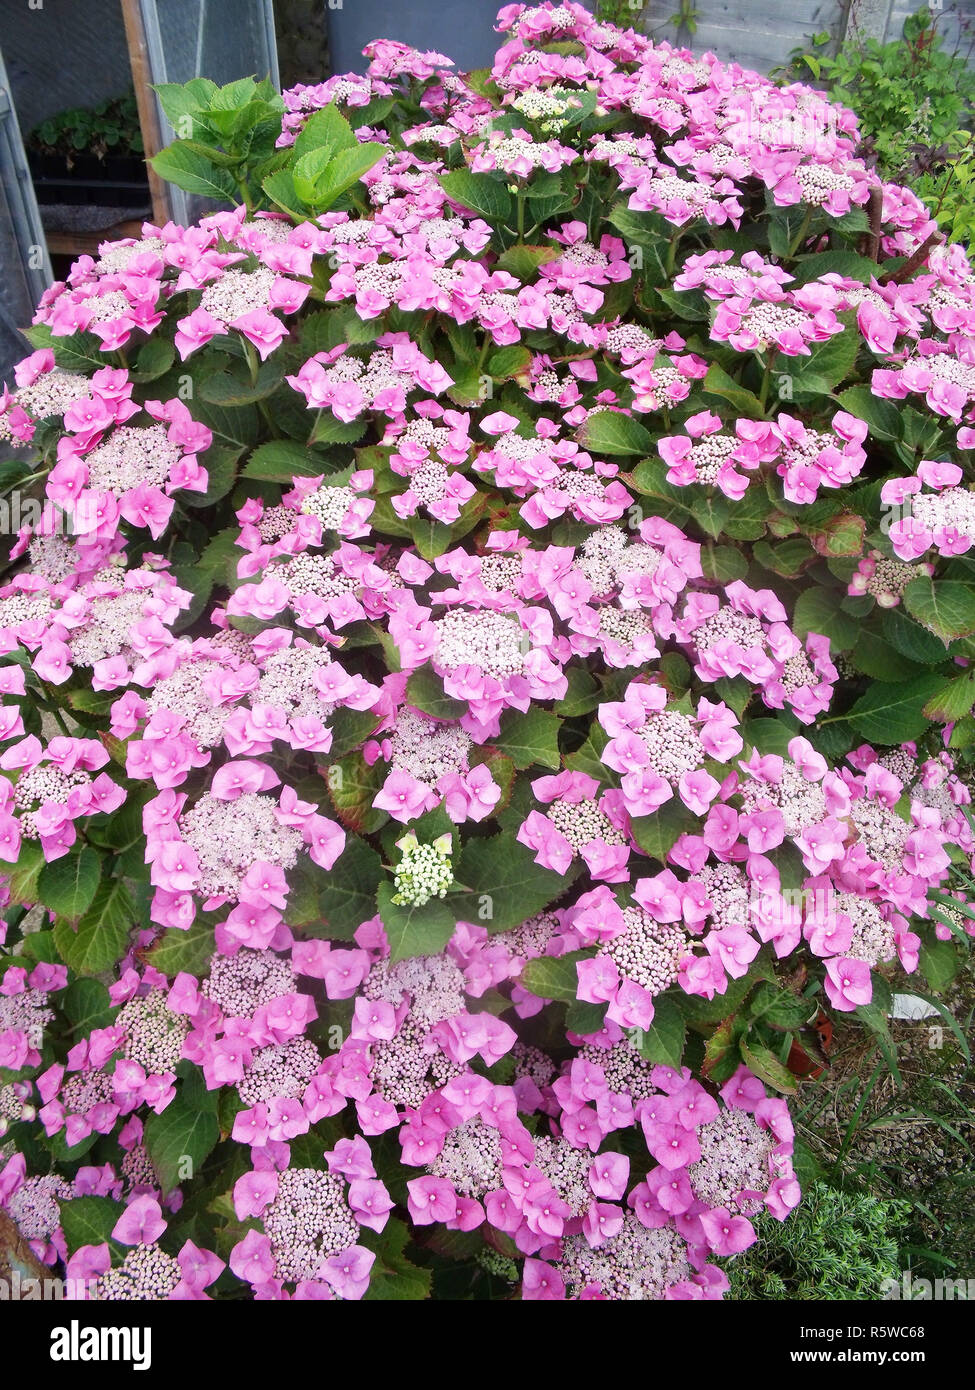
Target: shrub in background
{"x": 503, "y": 675}
{"x": 913, "y": 102}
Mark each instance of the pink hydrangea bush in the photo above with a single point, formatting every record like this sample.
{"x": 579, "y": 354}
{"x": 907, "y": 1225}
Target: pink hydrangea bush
{"x": 490, "y": 665}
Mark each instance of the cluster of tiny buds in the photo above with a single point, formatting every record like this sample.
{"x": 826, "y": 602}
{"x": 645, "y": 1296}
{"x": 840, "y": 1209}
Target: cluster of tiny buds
{"x": 581, "y": 822}
{"x": 238, "y": 292}
{"x": 471, "y": 1158}
{"x": 672, "y": 742}
{"x": 434, "y": 986}
{"x": 647, "y": 952}
{"x": 154, "y": 1035}
{"x": 146, "y": 1274}
{"x": 735, "y": 1154}
{"x": 231, "y": 836}
{"x": 638, "y": 1264}
{"x": 281, "y": 1070}
{"x": 241, "y": 983}
{"x": 426, "y": 749}
{"x": 491, "y": 641}
{"x": 423, "y": 872}
{"x": 308, "y": 1220}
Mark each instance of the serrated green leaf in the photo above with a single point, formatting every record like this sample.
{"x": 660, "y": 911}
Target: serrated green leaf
{"x": 190, "y": 950}
{"x": 90, "y": 1221}
{"x": 482, "y": 193}
{"x": 424, "y": 690}
{"x": 67, "y": 885}
{"x": 507, "y": 885}
{"x": 945, "y": 607}
{"x": 414, "y": 931}
{"x": 889, "y": 713}
{"x": 102, "y": 931}
{"x": 530, "y": 738}
{"x": 179, "y": 1141}
{"x": 555, "y": 977}
{"x": 663, "y": 1042}
{"x": 611, "y": 433}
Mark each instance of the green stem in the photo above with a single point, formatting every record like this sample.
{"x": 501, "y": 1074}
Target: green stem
{"x": 803, "y": 233}
{"x": 521, "y": 218}
{"x": 766, "y": 380}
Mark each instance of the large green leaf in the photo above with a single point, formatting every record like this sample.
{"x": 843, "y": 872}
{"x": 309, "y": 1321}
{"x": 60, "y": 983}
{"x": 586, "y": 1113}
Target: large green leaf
{"x": 425, "y": 691}
{"x": 555, "y": 977}
{"x": 818, "y": 610}
{"x": 180, "y": 1139}
{"x": 482, "y": 193}
{"x": 889, "y": 713}
{"x": 414, "y": 931}
{"x": 663, "y": 1041}
{"x": 530, "y": 738}
{"x": 189, "y": 950}
{"x": 508, "y": 885}
{"x": 67, "y": 885}
{"x": 945, "y": 607}
{"x": 347, "y": 893}
{"x": 281, "y": 461}
{"x": 194, "y": 172}
{"x": 612, "y": 432}
{"x": 102, "y": 932}
{"x": 90, "y": 1221}
{"x": 656, "y": 833}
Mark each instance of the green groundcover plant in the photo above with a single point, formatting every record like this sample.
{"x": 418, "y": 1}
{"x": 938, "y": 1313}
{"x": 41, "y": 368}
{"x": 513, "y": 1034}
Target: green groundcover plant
{"x": 491, "y": 664}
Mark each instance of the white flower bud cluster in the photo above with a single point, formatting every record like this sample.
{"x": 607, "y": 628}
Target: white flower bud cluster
{"x": 423, "y": 872}
{"x": 130, "y": 456}
{"x": 50, "y": 394}
{"x": 952, "y": 509}
{"x": 672, "y": 742}
{"x": 802, "y": 802}
{"x": 329, "y": 505}
{"x": 41, "y": 785}
{"x": 34, "y": 1208}
{"x": 318, "y": 575}
{"x": 433, "y": 984}
{"x": 648, "y": 952}
{"x": 818, "y": 181}
{"x": 500, "y": 573}
{"x": 146, "y": 1274}
{"x": 581, "y": 822}
{"x": 52, "y": 557}
{"x": 426, "y": 749}
{"x": 873, "y": 936}
{"x": 116, "y": 258}
{"x": 238, "y": 292}
{"x": 287, "y": 681}
{"x": 626, "y": 1072}
{"x": 28, "y": 1013}
{"x": 567, "y": 1169}
{"x": 494, "y": 642}
{"x": 881, "y": 831}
